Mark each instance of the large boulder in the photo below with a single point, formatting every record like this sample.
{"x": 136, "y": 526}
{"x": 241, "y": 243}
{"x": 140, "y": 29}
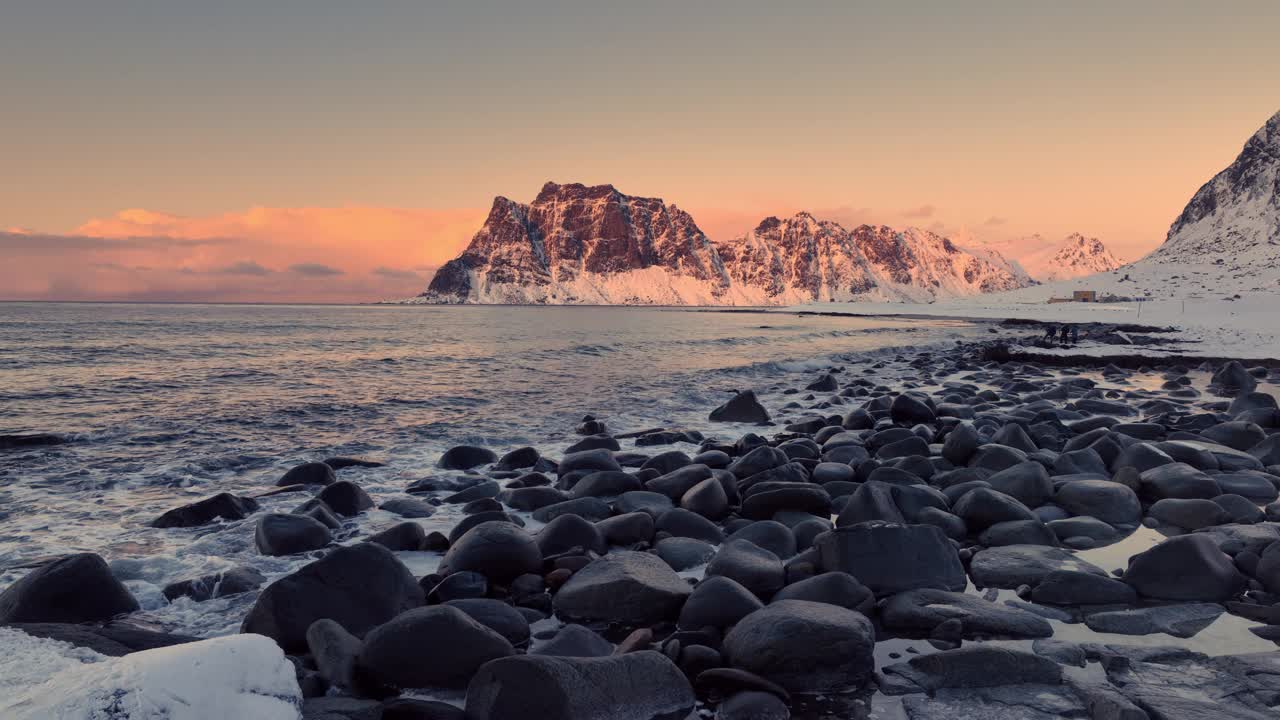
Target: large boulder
{"x": 837, "y": 588}
{"x": 72, "y": 589}
{"x": 498, "y": 550}
{"x": 312, "y": 473}
{"x": 1108, "y": 501}
{"x": 634, "y": 686}
{"x": 1178, "y": 480}
{"x": 345, "y": 498}
{"x": 743, "y": 407}
{"x": 983, "y": 507}
{"x": 1014, "y": 565}
{"x": 223, "y": 505}
{"x": 465, "y": 457}
{"x": 1028, "y": 482}
{"x": 358, "y": 586}
{"x": 804, "y": 646}
{"x": 755, "y": 568}
{"x": 436, "y": 646}
{"x": 717, "y": 602}
{"x": 1189, "y": 513}
{"x": 1187, "y": 567}
{"x": 286, "y": 534}
{"x": 623, "y": 586}
{"x": 890, "y": 558}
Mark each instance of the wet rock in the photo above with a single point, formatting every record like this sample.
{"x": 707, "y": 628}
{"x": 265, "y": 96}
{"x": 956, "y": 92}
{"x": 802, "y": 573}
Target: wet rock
{"x": 458, "y": 586}
{"x": 114, "y": 639}
{"x": 682, "y": 553}
{"x": 623, "y": 586}
{"x": 358, "y": 586}
{"x": 71, "y": 589}
{"x": 1070, "y": 587}
{"x": 568, "y": 532}
{"x": 312, "y": 473}
{"x": 1188, "y": 514}
{"x": 498, "y": 550}
{"x": 1188, "y": 567}
{"x": 1232, "y": 378}
{"x": 835, "y": 588}
{"x": 682, "y": 523}
{"x": 532, "y": 498}
{"x": 1014, "y": 565}
{"x": 1110, "y": 502}
{"x": 643, "y": 501}
{"x": 707, "y": 498}
{"x": 335, "y": 652}
{"x": 409, "y": 507}
{"x": 405, "y": 652}
{"x": 497, "y": 616}
{"x": 586, "y": 507}
{"x": 804, "y": 646}
{"x": 718, "y": 602}
{"x": 285, "y": 534}
{"x": 575, "y": 641}
{"x": 605, "y": 484}
{"x": 1237, "y": 434}
{"x": 1240, "y": 509}
{"x": 627, "y": 529}
{"x": 405, "y": 536}
{"x": 755, "y": 568}
{"x": 984, "y": 507}
{"x": 408, "y": 708}
{"x": 465, "y": 457}
{"x": 223, "y": 505}
{"x": 911, "y": 410}
{"x": 765, "y": 501}
{"x": 769, "y": 535}
{"x": 1028, "y": 482}
{"x": 923, "y": 610}
{"x": 593, "y": 460}
{"x": 1181, "y": 621}
{"x": 229, "y": 582}
{"x": 977, "y": 666}
{"x": 961, "y": 443}
{"x": 485, "y": 489}
{"x": 634, "y": 686}
{"x": 890, "y": 558}
{"x": 1018, "y": 532}
{"x": 1268, "y": 571}
{"x": 743, "y": 407}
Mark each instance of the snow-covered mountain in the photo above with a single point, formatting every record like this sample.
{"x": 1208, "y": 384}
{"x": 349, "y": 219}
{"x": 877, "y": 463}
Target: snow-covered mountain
{"x": 1076, "y": 256}
{"x": 1234, "y": 219}
{"x": 594, "y": 245}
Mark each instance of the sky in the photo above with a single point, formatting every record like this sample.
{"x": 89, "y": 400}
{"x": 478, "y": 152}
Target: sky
{"x": 331, "y": 151}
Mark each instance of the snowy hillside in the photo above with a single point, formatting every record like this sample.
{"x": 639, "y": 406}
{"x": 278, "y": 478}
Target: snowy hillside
{"x": 594, "y": 245}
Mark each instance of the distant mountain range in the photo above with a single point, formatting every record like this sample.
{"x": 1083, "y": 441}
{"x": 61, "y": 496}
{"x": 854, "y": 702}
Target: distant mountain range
{"x": 578, "y": 244}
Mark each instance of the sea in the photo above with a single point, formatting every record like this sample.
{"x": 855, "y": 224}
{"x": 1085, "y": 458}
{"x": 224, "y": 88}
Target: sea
{"x": 162, "y": 405}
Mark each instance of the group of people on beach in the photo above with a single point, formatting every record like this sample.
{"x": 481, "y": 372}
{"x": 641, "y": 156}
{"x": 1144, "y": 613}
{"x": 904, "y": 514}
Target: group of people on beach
{"x": 1062, "y": 332}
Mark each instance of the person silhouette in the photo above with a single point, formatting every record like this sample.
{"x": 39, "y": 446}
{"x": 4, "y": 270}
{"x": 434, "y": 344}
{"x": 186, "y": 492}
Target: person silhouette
{"x": 1075, "y": 335}
{"x": 1063, "y": 335}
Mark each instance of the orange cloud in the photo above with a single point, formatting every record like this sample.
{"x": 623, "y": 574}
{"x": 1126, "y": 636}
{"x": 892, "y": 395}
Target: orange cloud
{"x": 313, "y": 254}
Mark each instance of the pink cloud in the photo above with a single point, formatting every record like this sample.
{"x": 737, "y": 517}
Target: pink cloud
{"x": 348, "y": 254}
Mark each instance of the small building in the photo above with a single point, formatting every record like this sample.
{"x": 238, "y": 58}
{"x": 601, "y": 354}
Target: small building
{"x": 1084, "y": 296}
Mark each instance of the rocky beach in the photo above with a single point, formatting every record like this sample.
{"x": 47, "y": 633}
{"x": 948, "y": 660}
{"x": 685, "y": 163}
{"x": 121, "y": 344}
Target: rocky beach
{"x": 933, "y": 532}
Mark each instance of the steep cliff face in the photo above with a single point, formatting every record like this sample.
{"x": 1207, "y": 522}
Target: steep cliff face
{"x": 577, "y": 245}
{"x": 1234, "y": 219}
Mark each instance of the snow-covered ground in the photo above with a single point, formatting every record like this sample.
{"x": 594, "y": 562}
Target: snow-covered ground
{"x": 1216, "y": 312}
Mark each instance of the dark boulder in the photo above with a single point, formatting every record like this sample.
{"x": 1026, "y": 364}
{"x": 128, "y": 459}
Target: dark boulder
{"x": 222, "y": 505}
{"x": 743, "y": 407}
{"x": 437, "y": 646}
{"x": 228, "y": 582}
{"x": 465, "y": 457}
{"x": 312, "y": 473}
{"x": 285, "y": 534}
{"x": 890, "y": 558}
{"x": 634, "y": 686}
{"x": 755, "y": 568}
{"x": 498, "y": 550}
{"x": 804, "y": 646}
{"x": 345, "y": 498}
{"x": 358, "y": 586}
{"x": 72, "y": 589}
{"x": 623, "y": 586}
{"x": 1187, "y": 567}
{"x": 717, "y": 602}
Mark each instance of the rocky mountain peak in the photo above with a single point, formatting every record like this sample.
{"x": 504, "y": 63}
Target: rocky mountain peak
{"x": 1234, "y": 219}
